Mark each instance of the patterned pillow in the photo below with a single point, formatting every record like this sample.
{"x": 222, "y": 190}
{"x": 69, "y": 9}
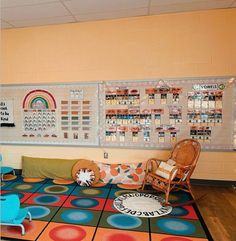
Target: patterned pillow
{"x": 85, "y": 177}
{"x": 122, "y": 173}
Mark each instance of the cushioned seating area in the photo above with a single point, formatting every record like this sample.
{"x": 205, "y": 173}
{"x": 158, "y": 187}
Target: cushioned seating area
{"x": 47, "y": 167}
{"x": 54, "y": 168}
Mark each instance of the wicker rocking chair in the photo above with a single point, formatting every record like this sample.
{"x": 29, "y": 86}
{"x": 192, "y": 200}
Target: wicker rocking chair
{"x": 174, "y": 173}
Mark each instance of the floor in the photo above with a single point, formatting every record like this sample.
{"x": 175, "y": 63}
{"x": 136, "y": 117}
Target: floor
{"x": 218, "y": 208}
{"x": 68, "y": 212}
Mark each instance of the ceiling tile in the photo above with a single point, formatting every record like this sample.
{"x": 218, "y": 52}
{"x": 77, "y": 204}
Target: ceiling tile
{"x": 96, "y": 6}
{"x": 192, "y": 5}
{"x": 15, "y": 3}
{"x": 112, "y": 15}
{"x": 233, "y": 4}
{"x": 190, "y": 2}
{"x": 46, "y": 10}
{"x": 43, "y": 21}
{"x": 6, "y": 25}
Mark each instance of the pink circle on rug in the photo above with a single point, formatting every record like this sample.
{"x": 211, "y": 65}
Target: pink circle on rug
{"x": 119, "y": 237}
{"x": 67, "y": 233}
{"x": 29, "y": 227}
{"x": 175, "y": 239}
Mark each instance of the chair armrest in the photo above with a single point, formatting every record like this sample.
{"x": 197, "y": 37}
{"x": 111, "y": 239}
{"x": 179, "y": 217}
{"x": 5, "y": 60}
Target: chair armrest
{"x": 184, "y": 171}
{"x": 152, "y": 164}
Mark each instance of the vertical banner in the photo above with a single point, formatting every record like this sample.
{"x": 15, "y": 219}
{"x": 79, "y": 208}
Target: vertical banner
{"x": 6, "y": 113}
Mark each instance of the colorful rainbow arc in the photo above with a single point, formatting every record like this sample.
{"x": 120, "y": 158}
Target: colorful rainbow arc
{"x": 42, "y": 95}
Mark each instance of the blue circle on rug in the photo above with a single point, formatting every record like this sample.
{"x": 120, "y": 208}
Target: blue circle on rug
{"x": 46, "y": 199}
{"x": 175, "y": 226}
{"x": 179, "y": 211}
{"x": 84, "y": 202}
{"x": 38, "y": 211}
{"x": 124, "y": 221}
{"x": 77, "y": 216}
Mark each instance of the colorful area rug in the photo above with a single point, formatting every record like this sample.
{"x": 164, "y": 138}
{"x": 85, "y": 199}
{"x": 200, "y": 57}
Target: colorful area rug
{"x": 68, "y": 212}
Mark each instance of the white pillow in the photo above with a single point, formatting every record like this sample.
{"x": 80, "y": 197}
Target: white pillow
{"x": 171, "y": 162}
{"x": 165, "y": 169}
{"x": 85, "y": 177}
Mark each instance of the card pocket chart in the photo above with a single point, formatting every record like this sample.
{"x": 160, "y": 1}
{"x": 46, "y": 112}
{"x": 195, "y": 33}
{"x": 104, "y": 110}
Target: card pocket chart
{"x": 141, "y": 114}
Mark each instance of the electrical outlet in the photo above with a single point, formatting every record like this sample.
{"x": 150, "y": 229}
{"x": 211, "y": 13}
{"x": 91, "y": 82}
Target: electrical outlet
{"x": 105, "y": 155}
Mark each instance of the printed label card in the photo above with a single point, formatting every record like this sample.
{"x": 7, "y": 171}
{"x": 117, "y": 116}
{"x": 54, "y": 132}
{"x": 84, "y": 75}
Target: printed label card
{"x": 204, "y": 118}
{"x": 207, "y": 134}
{"x": 211, "y": 117}
{"x": 146, "y": 136}
{"x": 212, "y": 102}
{"x": 218, "y": 117}
{"x": 135, "y": 136}
{"x": 200, "y": 134}
{"x": 157, "y": 118}
{"x": 205, "y": 100}
{"x": 191, "y": 100}
{"x": 173, "y": 137}
{"x": 193, "y": 132}
{"x": 163, "y": 99}
{"x": 197, "y": 100}
{"x": 219, "y": 99}
{"x": 161, "y": 137}
{"x": 108, "y": 136}
{"x": 151, "y": 99}
{"x": 113, "y": 136}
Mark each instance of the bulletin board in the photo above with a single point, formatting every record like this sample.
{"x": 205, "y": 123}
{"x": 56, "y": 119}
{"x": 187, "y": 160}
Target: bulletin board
{"x": 138, "y": 114}
{"x": 157, "y": 114}
{"x": 50, "y": 114}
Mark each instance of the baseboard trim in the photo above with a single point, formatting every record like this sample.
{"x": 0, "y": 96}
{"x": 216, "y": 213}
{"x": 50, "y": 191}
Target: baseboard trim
{"x": 203, "y": 182}
{"x": 18, "y": 171}
{"x": 216, "y": 183}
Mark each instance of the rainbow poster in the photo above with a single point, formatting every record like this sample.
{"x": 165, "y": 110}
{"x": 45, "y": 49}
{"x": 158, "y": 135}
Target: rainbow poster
{"x": 39, "y": 108}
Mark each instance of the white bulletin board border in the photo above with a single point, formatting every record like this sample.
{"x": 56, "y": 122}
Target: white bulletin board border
{"x": 99, "y": 108}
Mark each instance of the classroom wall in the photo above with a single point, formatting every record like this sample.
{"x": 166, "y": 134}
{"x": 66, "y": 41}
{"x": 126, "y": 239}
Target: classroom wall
{"x": 172, "y": 45}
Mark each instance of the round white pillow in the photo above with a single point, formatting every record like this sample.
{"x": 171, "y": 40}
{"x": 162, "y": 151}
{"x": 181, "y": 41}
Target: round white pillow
{"x": 85, "y": 177}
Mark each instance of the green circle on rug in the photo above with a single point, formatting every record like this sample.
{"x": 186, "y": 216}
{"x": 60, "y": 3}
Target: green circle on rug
{"x": 122, "y": 192}
{"x": 91, "y": 191}
{"x": 23, "y": 186}
{"x": 56, "y": 189}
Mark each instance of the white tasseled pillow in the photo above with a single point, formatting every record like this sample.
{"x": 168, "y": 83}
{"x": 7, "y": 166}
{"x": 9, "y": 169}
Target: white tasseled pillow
{"x": 85, "y": 177}
{"x": 165, "y": 169}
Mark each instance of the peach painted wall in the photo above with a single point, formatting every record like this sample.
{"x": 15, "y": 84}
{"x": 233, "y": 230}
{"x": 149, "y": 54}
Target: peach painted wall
{"x": 174, "y": 45}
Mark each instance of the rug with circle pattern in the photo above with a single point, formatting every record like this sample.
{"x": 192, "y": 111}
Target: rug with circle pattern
{"x": 63, "y": 211}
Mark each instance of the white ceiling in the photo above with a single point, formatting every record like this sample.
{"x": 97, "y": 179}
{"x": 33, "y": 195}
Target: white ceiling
{"x": 25, "y": 13}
